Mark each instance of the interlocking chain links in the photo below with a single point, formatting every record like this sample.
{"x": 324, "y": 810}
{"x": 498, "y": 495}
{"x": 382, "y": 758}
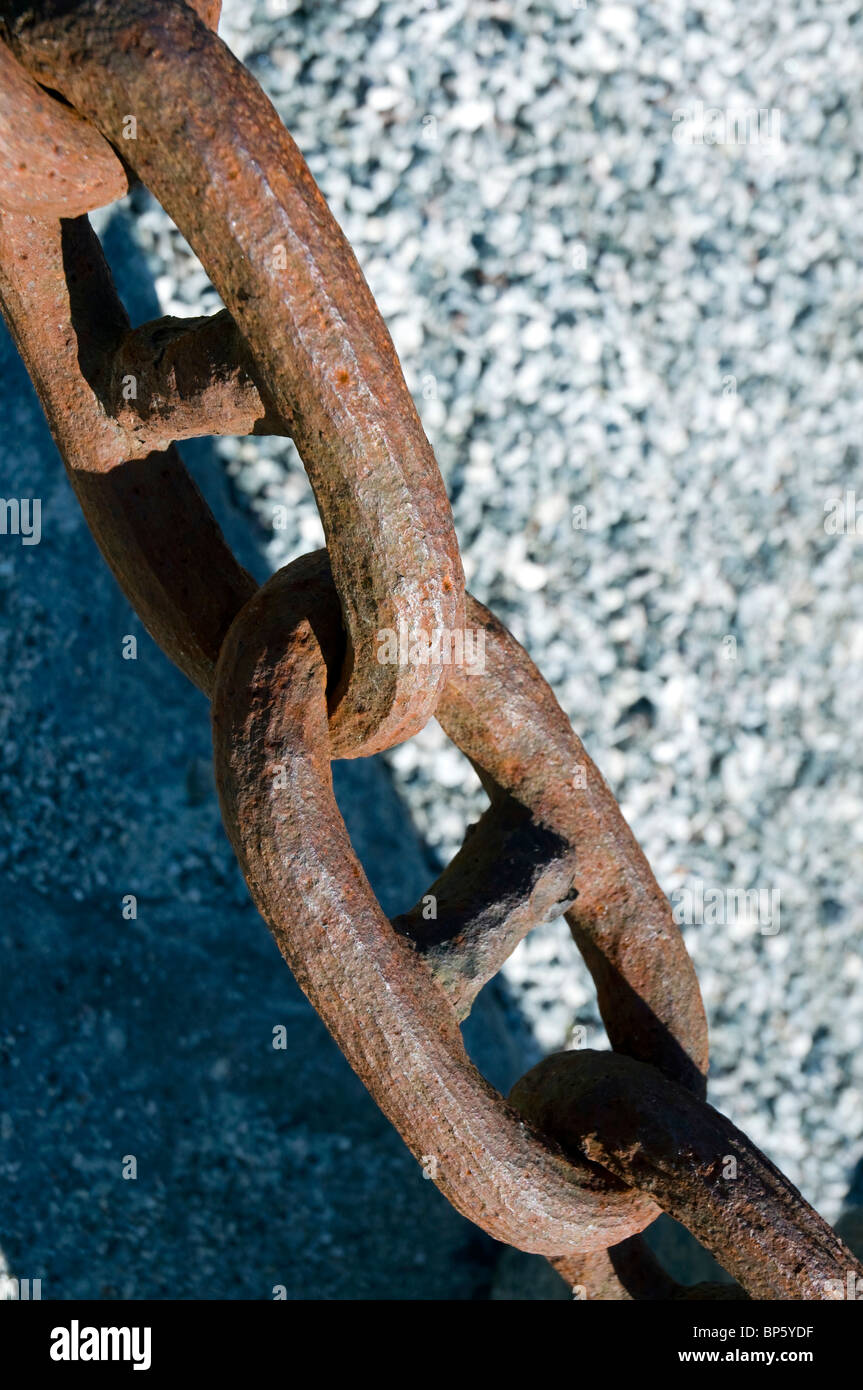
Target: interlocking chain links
{"x": 590, "y": 1143}
{"x": 238, "y": 188}
{"x": 660, "y": 1139}
{"x": 394, "y": 1011}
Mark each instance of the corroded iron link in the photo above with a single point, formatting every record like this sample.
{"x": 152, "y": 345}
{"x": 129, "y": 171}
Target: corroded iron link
{"x": 147, "y": 516}
{"x": 242, "y": 195}
{"x": 52, "y": 162}
{"x": 660, "y": 1139}
{"x": 589, "y": 1147}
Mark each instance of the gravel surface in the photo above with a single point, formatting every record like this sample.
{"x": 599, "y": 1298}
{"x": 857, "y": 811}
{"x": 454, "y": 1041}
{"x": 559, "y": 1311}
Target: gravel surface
{"x": 638, "y": 361}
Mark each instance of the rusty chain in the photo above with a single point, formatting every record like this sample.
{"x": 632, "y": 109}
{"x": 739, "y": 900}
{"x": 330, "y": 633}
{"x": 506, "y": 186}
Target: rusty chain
{"x": 589, "y": 1146}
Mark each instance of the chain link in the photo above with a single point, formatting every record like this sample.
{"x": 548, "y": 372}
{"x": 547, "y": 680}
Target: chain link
{"x": 589, "y": 1147}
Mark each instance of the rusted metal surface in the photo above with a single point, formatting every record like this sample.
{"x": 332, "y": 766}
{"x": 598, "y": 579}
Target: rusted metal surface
{"x": 590, "y": 1146}
{"x": 512, "y": 728}
{"x": 191, "y": 377}
{"x": 659, "y": 1138}
{"x": 243, "y": 196}
{"x": 379, "y": 999}
{"x": 52, "y": 163}
{"x": 392, "y": 1011}
{"x": 147, "y": 516}
{"x": 630, "y": 1273}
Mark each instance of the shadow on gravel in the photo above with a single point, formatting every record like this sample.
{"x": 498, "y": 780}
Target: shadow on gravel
{"x": 144, "y": 1044}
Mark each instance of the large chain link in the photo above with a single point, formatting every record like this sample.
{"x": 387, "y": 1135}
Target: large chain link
{"x": 590, "y": 1146}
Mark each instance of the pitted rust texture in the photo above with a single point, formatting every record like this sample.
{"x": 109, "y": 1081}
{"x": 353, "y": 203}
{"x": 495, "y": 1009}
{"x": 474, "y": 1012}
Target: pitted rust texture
{"x": 243, "y": 196}
{"x": 655, "y": 1135}
{"x": 191, "y": 377}
{"x": 52, "y": 162}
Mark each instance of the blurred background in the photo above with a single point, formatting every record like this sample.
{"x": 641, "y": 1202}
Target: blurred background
{"x": 635, "y": 343}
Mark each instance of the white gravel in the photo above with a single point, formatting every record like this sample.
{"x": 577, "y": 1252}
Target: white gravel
{"x": 593, "y": 315}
